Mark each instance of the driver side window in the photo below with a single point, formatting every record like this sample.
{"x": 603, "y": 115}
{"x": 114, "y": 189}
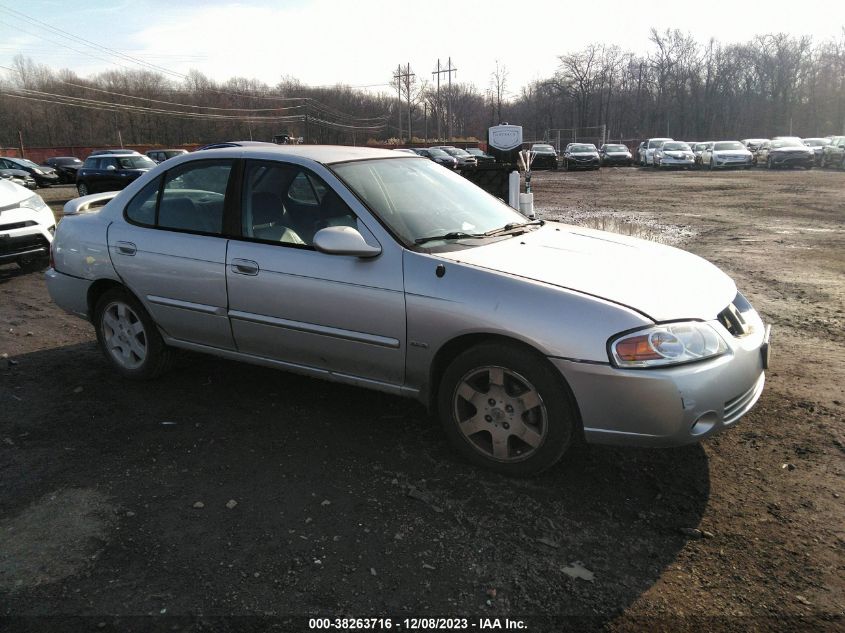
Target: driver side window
{"x": 288, "y": 204}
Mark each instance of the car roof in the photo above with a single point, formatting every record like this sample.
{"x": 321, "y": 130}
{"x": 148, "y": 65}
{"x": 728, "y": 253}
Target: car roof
{"x": 325, "y": 154}
{"x": 135, "y": 155}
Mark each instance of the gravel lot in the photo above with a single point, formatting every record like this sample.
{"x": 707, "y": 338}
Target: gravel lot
{"x": 230, "y": 489}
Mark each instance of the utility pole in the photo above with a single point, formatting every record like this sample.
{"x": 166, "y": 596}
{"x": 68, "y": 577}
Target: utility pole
{"x": 436, "y": 73}
{"x": 399, "y": 77}
{"x": 425, "y": 120}
{"x": 448, "y": 70}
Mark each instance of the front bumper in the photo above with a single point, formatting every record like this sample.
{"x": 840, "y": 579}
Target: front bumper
{"x": 732, "y": 162}
{"x": 45, "y": 180}
{"x": 669, "y": 161}
{"x": 791, "y": 160}
{"x": 573, "y": 163}
{"x": 670, "y": 406}
{"x": 616, "y": 160}
{"x": 544, "y": 162}
{"x": 21, "y": 243}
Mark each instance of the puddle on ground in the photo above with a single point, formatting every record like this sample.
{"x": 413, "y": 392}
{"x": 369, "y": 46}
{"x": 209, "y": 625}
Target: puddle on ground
{"x": 57, "y": 536}
{"x": 634, "y": 224}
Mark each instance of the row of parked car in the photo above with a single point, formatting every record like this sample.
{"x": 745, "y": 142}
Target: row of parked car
{"x": 113, "y": 167}
{"x": 780, "y": 151}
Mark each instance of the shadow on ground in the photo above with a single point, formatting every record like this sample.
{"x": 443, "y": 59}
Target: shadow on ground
{"x": 315, "y": 499}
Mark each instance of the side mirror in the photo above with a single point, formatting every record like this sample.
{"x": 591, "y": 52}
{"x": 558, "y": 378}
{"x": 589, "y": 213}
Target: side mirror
{"x": 343, "y": 240}
{"x": 111, "y": 168}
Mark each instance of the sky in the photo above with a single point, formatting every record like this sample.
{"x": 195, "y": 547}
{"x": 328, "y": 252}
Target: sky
{"x": 361, "y": 42}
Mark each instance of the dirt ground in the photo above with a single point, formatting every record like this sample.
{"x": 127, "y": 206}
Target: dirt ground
{"x": 226, "y": 489}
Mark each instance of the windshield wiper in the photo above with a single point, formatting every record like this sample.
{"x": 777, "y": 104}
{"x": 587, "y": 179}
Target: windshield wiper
{"x": 514, "y": 226}
{"x": 460, "y": 235}
{"x": 453, "y": 235}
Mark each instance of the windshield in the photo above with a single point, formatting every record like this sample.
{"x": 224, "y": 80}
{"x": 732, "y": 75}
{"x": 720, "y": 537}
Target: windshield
{"x": 24, "y": 162}
{"x": 786, "y": 143}
{"x": 439, "y": 153}
{"x": 542, "y": 148}
{"x": 655, "y": 144}
{"x": 135, "y": 162}
{"x": 676, "y": 146}
{"x": 816, "y": 142}
{"x": 418, "y": 199}
{"x": 67, "y": 161}
{"x": 616, "y": 148}
{"x": 582, "y": 148}
{"x": 728, "y": 145}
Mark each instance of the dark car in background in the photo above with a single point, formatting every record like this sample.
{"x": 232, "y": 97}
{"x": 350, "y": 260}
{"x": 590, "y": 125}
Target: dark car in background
{"x": 833, "y": 154}
{"x": 581, "y": 156}
{"x": 545, "y": 156}
{"x": 110, "y": 172}
{"x": 817, "y": 144}
{"x": 44, "y": 176}
{"x": 480, "y": 155}
{"x": 465, "y": 160}
{"x": 615, "y": 154}
{"x": 19, "y": 177}
{"x": 161, "y": 155}
{"x": 99, "y": 152}
{"x": 786, "y": 152}
{"x": 65, "y": 166}
{"x": 437, "y": 155}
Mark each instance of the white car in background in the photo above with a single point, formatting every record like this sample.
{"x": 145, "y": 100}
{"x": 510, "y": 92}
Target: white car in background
{"x": 726, "y": 154}
{"x": 651, "y": 146}
{"x": 27, "y": 226}
{"x": 674, "y": 154}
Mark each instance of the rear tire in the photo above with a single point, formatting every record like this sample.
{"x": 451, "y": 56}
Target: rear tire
{"x": 82, "y": 188}
{"x": 503, "y": 407}
{"x": 129, "y": 338}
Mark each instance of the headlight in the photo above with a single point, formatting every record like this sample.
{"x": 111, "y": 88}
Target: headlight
{"x": 33, "y": 202}
{"x": 38, "y": 171}
{"x": 669, "y": 344}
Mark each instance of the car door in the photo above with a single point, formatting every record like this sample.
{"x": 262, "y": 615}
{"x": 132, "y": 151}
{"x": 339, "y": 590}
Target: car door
{"x": 170, "y": 251}
{"x": 291, "y": 303}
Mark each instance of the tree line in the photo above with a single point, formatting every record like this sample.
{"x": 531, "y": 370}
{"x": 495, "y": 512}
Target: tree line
{"x": 772, "y": 84}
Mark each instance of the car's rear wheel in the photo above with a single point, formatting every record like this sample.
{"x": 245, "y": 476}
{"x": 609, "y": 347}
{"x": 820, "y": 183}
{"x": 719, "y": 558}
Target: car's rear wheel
{"x": 769, "y": 163}
{"x": 504, "y": 408}
{"x": 128, "y": 337}
{"x": 82, "y": 188}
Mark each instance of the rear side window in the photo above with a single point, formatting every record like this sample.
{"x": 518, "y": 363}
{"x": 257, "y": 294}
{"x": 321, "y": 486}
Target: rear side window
{"x": 189, "y": 198}
{"x": 142, "y": 208}
{"x": 193, "y": 196}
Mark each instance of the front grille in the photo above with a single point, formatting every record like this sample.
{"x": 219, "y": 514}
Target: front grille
{"x": 22, "y": 244}
{"x": 16, "y": 225}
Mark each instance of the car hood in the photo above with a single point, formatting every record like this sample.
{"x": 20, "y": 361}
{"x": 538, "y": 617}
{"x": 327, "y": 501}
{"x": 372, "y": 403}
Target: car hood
{"x": 661, "y": 282}
{"x": 11, "y": 195}
{"x": 729, "y": 152}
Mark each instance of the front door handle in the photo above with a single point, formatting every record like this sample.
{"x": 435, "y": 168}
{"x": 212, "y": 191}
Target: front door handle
{"x": 244, "y": 266}
{"x": 126, "y": 248}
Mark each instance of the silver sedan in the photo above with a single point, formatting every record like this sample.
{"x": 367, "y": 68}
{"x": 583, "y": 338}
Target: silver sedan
{"x": 390, "y": 272}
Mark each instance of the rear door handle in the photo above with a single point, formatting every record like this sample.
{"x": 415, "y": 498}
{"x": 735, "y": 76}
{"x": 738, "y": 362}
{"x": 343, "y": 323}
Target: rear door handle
{"x": 126, "y": 248}
{"x": 244, "y": 266}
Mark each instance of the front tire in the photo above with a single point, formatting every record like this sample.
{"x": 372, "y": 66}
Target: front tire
{"x": 769, "y": 164}
{"x": 503, "y": 407}
{"x": 128, "y": 337}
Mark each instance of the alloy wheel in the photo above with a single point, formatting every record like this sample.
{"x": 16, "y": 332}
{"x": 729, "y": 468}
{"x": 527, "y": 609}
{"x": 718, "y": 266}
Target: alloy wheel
{"x": 124, "y": 335}
{"x": 500, "y": 413}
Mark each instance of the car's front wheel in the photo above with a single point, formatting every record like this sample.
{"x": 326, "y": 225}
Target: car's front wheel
{"x": 128, "y": 336}
{"x": 505, "y": 408}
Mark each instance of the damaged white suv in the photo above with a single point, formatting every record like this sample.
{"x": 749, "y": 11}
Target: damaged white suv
{"x": 27, "y": 226}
